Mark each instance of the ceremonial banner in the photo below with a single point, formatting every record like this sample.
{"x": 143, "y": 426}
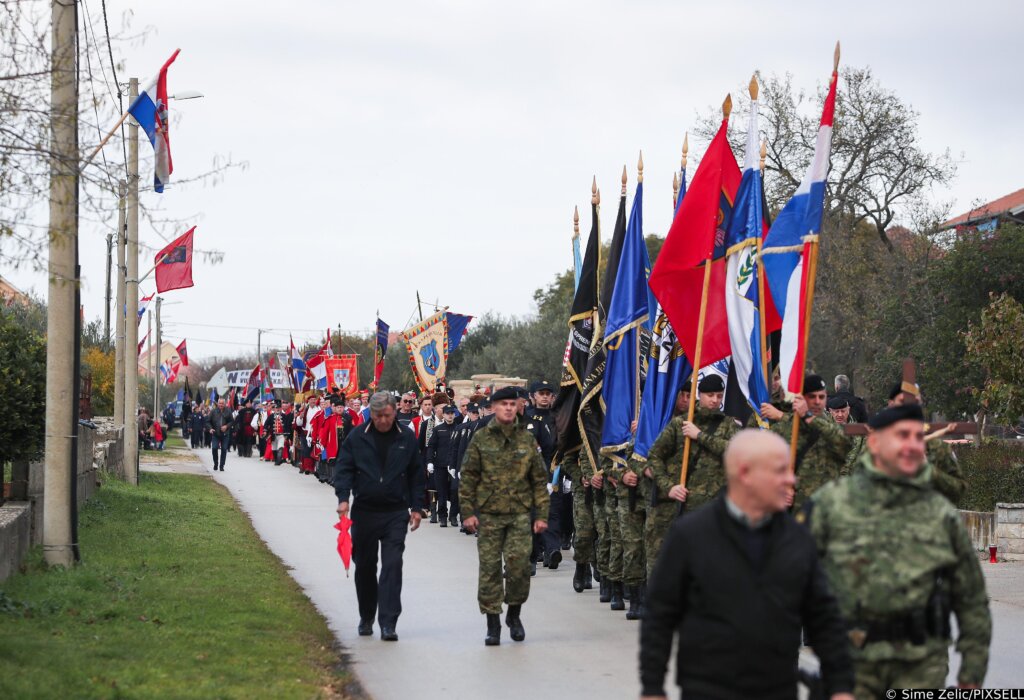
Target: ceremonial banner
{"x": 456, "y": 330}
{"x": 150, "y": 111}
{"x": 627, "y": 340}
{"x": 174, "y": 264}
{"x": 343, "y": 373}
{"x": 696, "y": 238}
{"x": 380, "y": 351}
{"x": 252, "y": 386}
{"x": 787, "y": 249}
{"x": 427, "y": 343}
{"x": 591, "y": 416}
{"x": 582, "y": 317}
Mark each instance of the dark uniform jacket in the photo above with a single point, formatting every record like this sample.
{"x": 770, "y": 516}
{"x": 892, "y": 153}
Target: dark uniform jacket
{"x": 738, "y": 598}
{"x": 377, "y": 482}
{"x": 439, "y": 446}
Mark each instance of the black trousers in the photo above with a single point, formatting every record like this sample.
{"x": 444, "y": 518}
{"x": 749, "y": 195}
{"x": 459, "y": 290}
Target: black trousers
{"x": 441, "y": 480}
{"x": 552, "y": 537}
{"x": 384, "y": 532}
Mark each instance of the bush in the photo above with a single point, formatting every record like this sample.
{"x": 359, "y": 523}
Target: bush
{"x": 994, "y": 473}
{"x": 23, "y": 385}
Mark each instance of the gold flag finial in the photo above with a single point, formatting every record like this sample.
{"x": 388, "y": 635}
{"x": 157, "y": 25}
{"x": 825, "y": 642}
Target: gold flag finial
{"x": 686, "y": 149}
{"x": 727, "y": 107}
{"x": 594, "y": 197}
{"x": 624, "y": 180}
{"x": 764, "y": 153}
{"x": 753, "y": 87}
{"x": 598, "y": 197}
{"x": 640, "y": 169}
{"x": 675, "y": 190}
{"x": 576, "y": 222}
{"x": 835, "y": 59}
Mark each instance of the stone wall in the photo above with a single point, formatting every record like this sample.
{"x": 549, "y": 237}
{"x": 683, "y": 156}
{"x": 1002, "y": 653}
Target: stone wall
{"x": 1009, "y": 530}
{"x": 15, "y": 536}
{"x": 981, "y": 528}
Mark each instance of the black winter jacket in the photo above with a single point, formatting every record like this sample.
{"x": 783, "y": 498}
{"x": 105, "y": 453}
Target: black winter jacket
{"x": 398, "y": 484}
{"x": 739, "y": 623}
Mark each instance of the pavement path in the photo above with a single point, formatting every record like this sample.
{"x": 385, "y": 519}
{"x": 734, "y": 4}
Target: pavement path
{"x": 575, "y": 646}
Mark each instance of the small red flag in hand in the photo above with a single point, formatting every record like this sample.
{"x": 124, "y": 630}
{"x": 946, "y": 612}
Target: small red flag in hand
{"x": 174, "y": 264}
{"x": 344, "y": 541}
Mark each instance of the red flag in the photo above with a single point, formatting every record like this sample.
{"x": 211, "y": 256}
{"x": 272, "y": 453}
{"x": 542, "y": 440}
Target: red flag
{"x": 174, "y": 264}
{"x": 182, "y": 353}
{"x": 697, "y": 234}
{"x": 343, "y": 373}
{"x": 344, "y": 542}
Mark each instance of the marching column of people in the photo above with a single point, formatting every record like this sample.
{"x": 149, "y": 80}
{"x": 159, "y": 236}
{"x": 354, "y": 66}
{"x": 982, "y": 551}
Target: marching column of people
{"x": 883, "y": 557}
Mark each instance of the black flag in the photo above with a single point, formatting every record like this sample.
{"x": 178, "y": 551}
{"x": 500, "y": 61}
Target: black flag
{"x": 581, "y": 337}
{"x": 591, "y": 415}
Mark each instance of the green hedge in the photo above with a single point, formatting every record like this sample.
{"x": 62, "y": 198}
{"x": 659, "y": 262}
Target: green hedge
{"x": 994, "y": 473}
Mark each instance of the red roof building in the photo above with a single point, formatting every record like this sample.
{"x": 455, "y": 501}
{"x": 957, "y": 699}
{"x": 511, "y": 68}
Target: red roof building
{"x": 1008, "y": 209}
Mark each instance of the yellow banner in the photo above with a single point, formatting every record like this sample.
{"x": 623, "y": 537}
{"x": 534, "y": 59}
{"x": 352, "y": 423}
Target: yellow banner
{"x": 428, "y": 350}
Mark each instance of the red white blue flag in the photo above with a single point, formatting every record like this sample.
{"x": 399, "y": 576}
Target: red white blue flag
{"x": 150, "y": 111}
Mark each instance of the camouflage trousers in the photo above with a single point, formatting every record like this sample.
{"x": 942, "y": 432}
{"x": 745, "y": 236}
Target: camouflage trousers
{"x": 504, "y": 538}
{"x": 583, "y": 518}
{"x": 631, "y": 527}
{"x": 873, "y": 678}
{"x": 609, "y": 536}
{"x": 659, "y": 518}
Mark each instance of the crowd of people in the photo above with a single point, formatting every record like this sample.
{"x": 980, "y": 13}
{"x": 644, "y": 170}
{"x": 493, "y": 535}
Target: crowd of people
{"x": 527, "y": 502}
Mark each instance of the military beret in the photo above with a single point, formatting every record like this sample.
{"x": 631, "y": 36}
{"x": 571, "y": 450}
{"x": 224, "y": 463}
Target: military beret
{"x": 521, "y": 392}
{"x": 505, "y": 393}
{"x": 711, "y": 383}
{"x": 893, "y": 414}
{"x": 541, "y": 385}
{"x": 838, "y": 402}
{"x": 814, "y": 382}
{"x": 486, "y": 403}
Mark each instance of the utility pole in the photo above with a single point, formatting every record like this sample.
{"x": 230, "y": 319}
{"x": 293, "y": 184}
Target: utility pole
{"x": 259, "y": 346}
{"x": 106, "y": 306}
{"x": 149, "y": 340}
{"x": 131, "y": 366}
{"x": 119, "y": 318}
{"x": 156, "y": 365}
{"x": 61, "y": 394}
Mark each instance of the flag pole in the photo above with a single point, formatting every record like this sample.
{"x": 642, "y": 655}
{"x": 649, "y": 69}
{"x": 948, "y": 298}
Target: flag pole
{"x": 142, "y": 279}
{"x": 812, "y": 273}
{"x": 761, "y": 298}
{"x": 726, "y": 111}
{"x": 104, "y": 141}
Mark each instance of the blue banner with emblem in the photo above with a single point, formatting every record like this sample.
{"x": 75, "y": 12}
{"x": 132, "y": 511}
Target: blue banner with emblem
{"x": 427, "y": 343}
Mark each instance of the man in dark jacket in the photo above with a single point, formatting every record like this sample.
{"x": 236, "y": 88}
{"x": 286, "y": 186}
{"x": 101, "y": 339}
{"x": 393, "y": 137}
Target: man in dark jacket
{"x": 379, "y": 465}
{"x": 738, "y": 579}
{"x": 218, "y": 425}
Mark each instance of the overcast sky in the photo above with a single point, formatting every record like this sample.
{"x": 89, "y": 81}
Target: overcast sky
{"x": 441, "y": 146}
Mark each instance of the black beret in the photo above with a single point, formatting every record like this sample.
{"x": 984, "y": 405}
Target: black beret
{"x": 486, "y": 403}
{"x": 541, "y": 385}
{"x": 522, "y": 393}
{"x": 814, "y": 382}
{"x": 711, "y": 383}
{"x": 505, "y": 393}
{"x": 888, "y": 416}
{"x": 838, "y": 402}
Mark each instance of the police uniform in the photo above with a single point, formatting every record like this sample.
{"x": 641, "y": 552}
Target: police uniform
{"x": 900, "y": 561}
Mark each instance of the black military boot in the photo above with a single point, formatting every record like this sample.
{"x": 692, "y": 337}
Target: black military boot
{"x": 515, "y": 625}
{"x": 454, "y": 520}
{"x": 597, "y": 574}
{"x": 616, "y": 598}
{"x": 554, "y": 559}
{"x": 443, "y": 519}
{"x": 580, "y": 577}
{"x": 634, "y": 603}
{"x": 588, "y": 579}
{"x": 493, "y": 637}
{"x": 433, "y": 516}
{"x": 533, "y": 568}
{"x": 606, "y": 594}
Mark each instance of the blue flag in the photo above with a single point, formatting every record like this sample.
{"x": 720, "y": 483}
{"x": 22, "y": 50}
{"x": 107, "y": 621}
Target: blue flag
{"x": 456, "y": 330}
{"x": 627, "y": 338}
{"x": 667, "y": 371}
{"x": 577, "y": 263}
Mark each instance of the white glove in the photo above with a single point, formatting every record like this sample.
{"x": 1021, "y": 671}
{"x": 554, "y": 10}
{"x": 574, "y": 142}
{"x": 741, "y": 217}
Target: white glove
{"x": 309, "y": 441}
{"x": 567, "y": 486}
{"x": 430, "y": 469}
{"x": 451, "y": 472}
{"x": 551, "y": 488}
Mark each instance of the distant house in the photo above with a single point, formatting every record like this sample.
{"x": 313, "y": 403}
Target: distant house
{"x": 9, "y": 294}
{"x": 988, "y": 217}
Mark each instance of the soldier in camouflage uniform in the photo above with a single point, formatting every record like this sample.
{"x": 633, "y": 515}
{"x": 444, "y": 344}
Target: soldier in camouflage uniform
{"x": 822, "y": 446}
{"x": 583, "y": 517}
{"x": 503, "y": 478}
{"x": 631, "y": 526}
{"x": 839, "y": 409}
{"x": 947, "y": 477}
{"x": 610, "y": 485}
{"x": 705, "y": 476}
{"x": 603, "y": 543}
{"x": 900, "y": 561}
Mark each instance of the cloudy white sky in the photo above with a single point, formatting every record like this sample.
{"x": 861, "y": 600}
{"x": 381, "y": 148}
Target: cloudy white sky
{"x": 441, "y": 146}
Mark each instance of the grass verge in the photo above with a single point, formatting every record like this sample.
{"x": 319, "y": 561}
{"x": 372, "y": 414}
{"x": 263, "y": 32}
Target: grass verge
{"x": 176, "y": 597}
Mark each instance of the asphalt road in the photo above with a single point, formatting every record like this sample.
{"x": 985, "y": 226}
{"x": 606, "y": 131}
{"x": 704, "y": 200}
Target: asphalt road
{"x": 575, "y": 646}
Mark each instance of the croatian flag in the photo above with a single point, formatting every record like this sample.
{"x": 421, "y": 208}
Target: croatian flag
{"x": 787, "y": 249}
{"x": 317, "y": 364}
{"x": 143, "y": 305}
{"x": 150, "y": 111}
{"x": 741, "y": 278}
{"x": 297, "y": 368}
